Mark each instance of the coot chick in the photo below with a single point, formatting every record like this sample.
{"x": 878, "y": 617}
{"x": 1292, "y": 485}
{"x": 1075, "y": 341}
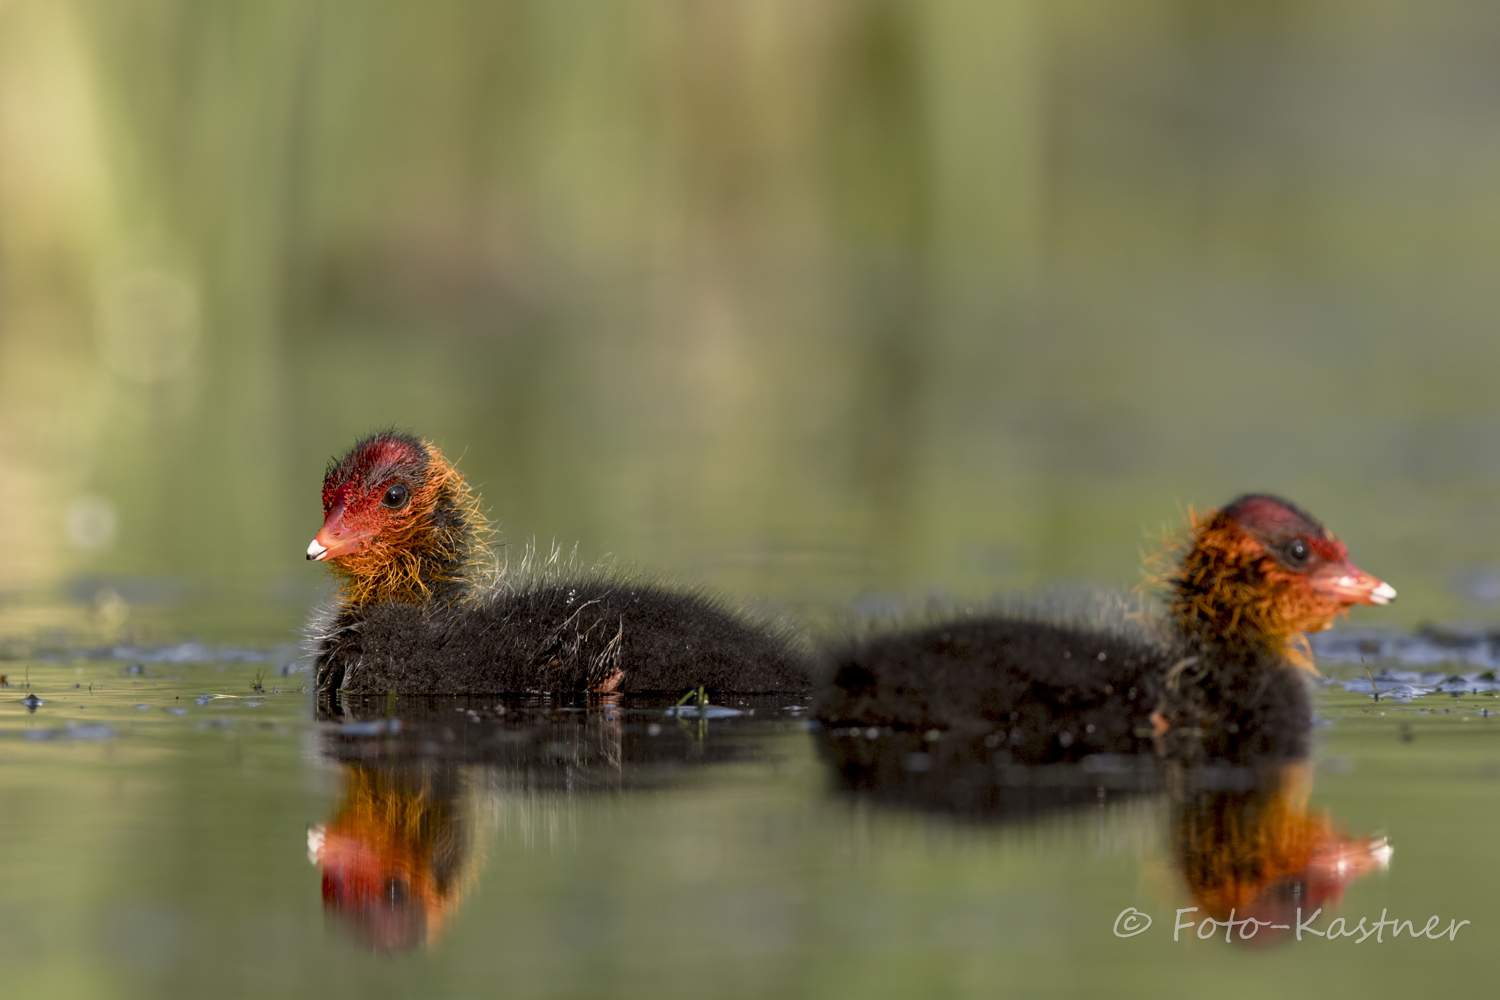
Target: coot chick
{"x": 1218, "y": 678}
{"x": 423, "y": 610}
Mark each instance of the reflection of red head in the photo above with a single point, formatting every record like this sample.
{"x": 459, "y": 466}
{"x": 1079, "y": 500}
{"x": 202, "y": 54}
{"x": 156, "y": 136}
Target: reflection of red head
{"x": 390, "y": 859}
{"x": 1261, "y": 854}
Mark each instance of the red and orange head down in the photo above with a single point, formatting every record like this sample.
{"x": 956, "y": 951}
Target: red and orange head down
{"x": 399, "y": 522}
{"x": 394, "y": 859}
{"x": 1262, "y": 853}
{"x": 1261, "y": 572}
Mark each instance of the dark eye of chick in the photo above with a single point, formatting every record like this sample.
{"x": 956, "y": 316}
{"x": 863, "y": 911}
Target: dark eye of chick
{"x": 1297, "y": 552}
{"x": 395, "y": 497}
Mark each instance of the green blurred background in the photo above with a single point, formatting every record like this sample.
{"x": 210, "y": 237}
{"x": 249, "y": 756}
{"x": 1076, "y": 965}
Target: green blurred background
{"x": 807, "y": 299}
{"x": 835, "y": 303}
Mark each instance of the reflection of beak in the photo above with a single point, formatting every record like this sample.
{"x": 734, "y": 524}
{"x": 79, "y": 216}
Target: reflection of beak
{"x": 1347, "y": 860}
{"x": 317, "y": 836}
{"x": 334, "y": 539}
{"x": 1349, "y": 584}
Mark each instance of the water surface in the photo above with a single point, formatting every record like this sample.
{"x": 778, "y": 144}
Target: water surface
{"x": 173, "y": 829}
{"x": 837, "y": 308}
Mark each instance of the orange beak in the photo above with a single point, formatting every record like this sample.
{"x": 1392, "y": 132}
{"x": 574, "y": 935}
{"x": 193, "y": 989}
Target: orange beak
{"x": 1348, "y": 584}
{"x": 334, "y": 539}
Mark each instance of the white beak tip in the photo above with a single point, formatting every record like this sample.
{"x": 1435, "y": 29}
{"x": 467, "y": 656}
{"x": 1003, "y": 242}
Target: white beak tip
{"x": 316, "y": 551}
{"x": 1383, "y": 594}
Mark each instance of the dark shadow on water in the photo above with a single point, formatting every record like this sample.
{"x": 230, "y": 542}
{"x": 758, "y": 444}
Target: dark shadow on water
{"x": 973, "y": 778}
{"x": 577, "y": 744}
{"x": 1242, "y": 839}
{"x": 419, "y": 774}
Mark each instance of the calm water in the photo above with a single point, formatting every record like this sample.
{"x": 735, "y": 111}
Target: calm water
{"x": 171, "y": 829}
{"x": 838, "y": 308}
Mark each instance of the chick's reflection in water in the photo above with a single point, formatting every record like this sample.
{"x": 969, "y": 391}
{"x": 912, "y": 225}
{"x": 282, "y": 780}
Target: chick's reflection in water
{"x": 1241, "y": 839}
{"x": 1261, "y": 853}
{"x": 429, "y": 781}
{"x": 397, "y": 854}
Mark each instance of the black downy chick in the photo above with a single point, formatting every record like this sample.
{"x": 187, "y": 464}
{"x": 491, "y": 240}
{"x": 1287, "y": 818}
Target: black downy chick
{"x": 1220, "y": 680}
{"x": 417, "y": 615}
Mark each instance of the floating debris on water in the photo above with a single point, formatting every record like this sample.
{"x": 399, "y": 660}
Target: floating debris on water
{"x": 1404, "y": 685}
{"x": 72, "y": 731}
{"x": 203, "y": 699}
{"x": 1427, "y": 647}
{"x": 916, "y": 763}
{"x": 705, "y": 712}
{"x": 189, "y": 652}
{"x": 374, "y": 728}
{"x": 32, "y": 702}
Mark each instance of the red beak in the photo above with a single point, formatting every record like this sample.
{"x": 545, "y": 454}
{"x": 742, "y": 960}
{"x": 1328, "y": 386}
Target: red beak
{"x": 334, "y": 539}
{"x": 1348, "y": 584}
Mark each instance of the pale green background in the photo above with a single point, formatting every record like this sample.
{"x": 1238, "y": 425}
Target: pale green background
{"x": 827, "y": 303}
{"x": 802, "y": 299}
